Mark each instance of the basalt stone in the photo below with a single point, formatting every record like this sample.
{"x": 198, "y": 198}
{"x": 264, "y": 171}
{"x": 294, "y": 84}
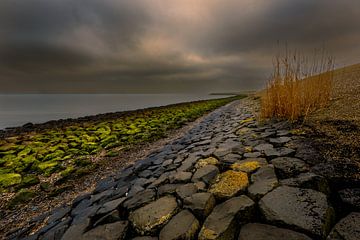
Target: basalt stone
{"x": 281, "y": 133}
{"x": 161, "y": 180}
{"x": 201, "y": 204}
{"x": 59, "y": 213}
{"x": 85, "y": 203}
{"x": 224, "y": 220}
{"x": 120, "y": 192}
{"x": 145, "y": 174}
{"x": 80, "y": 198}
{"x": 167, "y": 162}
{"x": 56, "y": 232}
{"x": 186, "y": 190}
{"x": 280, "y": 141}
{"x": 252, "y": 154}
{"x": 303, "y": 209}
{"x": 340, "y": 174}
{"x": 351, "y": 197}
{"x": 150, "y": 218}
{"x": 279, "y": 152}
{"x": 145, "y": 238}
{"x": 231, "y": 158}
{"x": 205, "y": 174}
{"x": 249, "y": 165}
{"x": 183, "y": 226}
{"x": 263, "y": 181}
{"x": 188, "y": 163}
{"x": 140, "y": 199}
{"x": 104, "y": 184}
{"x": 76, "y": 230}
{"x": 201, "y": 186}
{"x": 141, "y": 182}
{"x": 257, "y": 231}
{"x": 229, "y": 184}
{"x": 308, "y": 180}
{"x": 110, "y": 217}
{"x": 100, "y": 196}
{"x": 263, "y": 147}
{"x": 110, "y": 206}
{"x": 347, "y": 228}
{"x": 112, "y": 231}
{"x": 134, "y": 190}
{"x": 181, "y": 177}
{"x": 167, "y": 189}
{"x": 287, "y": 167}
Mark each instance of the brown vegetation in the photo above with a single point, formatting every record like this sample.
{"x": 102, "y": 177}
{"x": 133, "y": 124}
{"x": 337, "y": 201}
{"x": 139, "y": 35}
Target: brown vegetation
{"x": 297, "y": 87}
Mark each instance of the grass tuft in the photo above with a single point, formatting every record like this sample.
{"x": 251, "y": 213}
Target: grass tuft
{"x": 298, "y": 86}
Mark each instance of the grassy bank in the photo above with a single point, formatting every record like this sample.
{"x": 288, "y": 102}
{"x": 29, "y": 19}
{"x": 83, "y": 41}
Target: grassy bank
{"x": 30, "y": 158}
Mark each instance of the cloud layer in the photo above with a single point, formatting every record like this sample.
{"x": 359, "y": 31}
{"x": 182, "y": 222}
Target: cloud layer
{"x": 163, "y": 46}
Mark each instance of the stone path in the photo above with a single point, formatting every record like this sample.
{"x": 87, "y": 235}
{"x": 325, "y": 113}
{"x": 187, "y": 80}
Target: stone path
{"x": 228, "y": 178}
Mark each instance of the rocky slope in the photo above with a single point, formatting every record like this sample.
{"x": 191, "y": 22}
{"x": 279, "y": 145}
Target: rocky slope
{"x": 230, "y": 177}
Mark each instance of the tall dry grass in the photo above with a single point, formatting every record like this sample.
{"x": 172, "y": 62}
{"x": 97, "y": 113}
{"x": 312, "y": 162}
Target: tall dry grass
{"x": 298, "y": 86}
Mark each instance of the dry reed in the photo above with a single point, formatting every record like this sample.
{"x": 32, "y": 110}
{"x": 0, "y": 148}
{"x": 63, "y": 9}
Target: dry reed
{"x": 297, "y": 86}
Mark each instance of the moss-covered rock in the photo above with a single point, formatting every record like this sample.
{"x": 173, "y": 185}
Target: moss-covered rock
{"x": 23, "y": 196}
{"x": 29, "y": 180}
{"x": 206, "y": 161}
{"x": 229, "y": 184}
{"x": 249, "y": 165}
{"x": 9, "y": 179}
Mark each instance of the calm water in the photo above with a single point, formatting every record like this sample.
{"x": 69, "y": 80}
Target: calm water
{"x": 18, "y": 109}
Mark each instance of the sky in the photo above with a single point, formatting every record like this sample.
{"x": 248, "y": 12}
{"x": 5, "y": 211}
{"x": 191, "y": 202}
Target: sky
{"x": 164, "y": 46}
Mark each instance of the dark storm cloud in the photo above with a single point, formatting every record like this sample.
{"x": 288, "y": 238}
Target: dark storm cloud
{"x": 163, "y": 46}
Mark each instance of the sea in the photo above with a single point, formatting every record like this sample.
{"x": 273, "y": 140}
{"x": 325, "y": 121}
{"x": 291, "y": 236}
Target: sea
{"x": 19, "y": 109}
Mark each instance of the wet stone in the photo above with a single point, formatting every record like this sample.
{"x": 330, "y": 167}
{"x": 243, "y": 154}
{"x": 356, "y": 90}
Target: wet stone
{"x": 263, "y": 181}
{"x": 150, "y": 218}
{"x": 252, "y": 155}
{"x": 287, "y": 167}
{"x": 140, "y": 199}
{"x": 231, "y": 158}
{"x": 111, "y": 217}
{"x": 59, "y": 213}
{"x": 201, "y": 204}
{"x": 134, "y": 190}
{"x": 279, "y": 152}
{"x": 145, "y": 238}
{"x": 257, "y": 231}
{"x": 110, "y": 206}
{"x": 303, "y": 209}
{"x": 263, "y": 147}
{"x": 351, "y": 197}
{"x": 280, "y": 141}
{"x": 183, "y": 226}
{"x": 186, "y": 190}
{"x": 112, "y": 231}
{"x": 347, "y": 228}
{"x": 224, "y": 220}
{"x": 205, "y": 174}
{"x": 76, "y": 230}
{"x": 229, "y": 184}
{"x": 181, "y": 177}
{"x": 100, "y": 196}
{"x": 56, "y": 232}
{"x": 167, "y": 189}
{"x": 308, "y": 180}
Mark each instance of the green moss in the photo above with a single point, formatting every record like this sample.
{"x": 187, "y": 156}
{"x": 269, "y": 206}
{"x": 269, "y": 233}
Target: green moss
{"x": 9, "y": 179}
{"x": 67, "y": 171}
{"x": 29, "y": 180}
{"x": 23, "y": 196}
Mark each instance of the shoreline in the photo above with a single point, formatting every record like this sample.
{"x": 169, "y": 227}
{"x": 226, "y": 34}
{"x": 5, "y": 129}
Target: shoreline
{"x": 65, "y": 122}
